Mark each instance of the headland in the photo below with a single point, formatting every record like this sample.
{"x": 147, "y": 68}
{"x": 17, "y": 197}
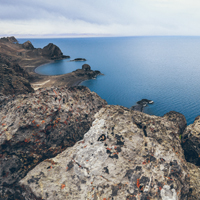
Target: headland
{"x": 27, "y": 58}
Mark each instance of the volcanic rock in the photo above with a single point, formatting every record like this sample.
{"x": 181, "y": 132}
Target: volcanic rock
{"x": 86, "y": 67}
{"x": 38, "y": 126}
{"x": 79, "y": 59}
{"x": 141, "y": 104}
{"x": 53, "y": 52}
{"x": 178, "y": 119}
{"x": 11, "y": 39}
{"x": 28, "y": 45}
{"x": 191, "y": 142}
{"x": 125, "y": 155}
{"x": 13, "y": 80}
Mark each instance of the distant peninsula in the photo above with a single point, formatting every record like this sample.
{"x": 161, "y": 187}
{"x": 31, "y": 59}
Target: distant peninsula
{"x": 19, "y": 61}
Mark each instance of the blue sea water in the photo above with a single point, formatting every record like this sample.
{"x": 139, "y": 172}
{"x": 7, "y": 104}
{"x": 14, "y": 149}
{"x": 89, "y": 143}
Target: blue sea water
{"x": 163, "y": 69}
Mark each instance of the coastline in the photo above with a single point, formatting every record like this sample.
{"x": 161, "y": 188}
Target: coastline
{"x": 73, "y": 78}
{"x": 29, "y": 58}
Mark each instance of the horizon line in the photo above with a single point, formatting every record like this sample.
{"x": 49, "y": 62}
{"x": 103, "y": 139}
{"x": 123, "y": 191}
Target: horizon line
{"x": 49, "y": 36}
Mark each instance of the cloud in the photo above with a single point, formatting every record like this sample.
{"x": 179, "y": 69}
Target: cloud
{"x": 109, "y": 17}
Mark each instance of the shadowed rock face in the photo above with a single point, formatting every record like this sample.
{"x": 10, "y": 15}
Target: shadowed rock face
{"x": 28, "y": 45}
{"x": 86, "y": 67}
{"x": 178, "y": 119}
{"x": 52, "y": 51}
{"x": 125, "y": 155}
{"x": 38, "y": 126}
{"x": 13, "y": 79}
{"x": 191, "y": 142}
{"x": 11, "y": 39}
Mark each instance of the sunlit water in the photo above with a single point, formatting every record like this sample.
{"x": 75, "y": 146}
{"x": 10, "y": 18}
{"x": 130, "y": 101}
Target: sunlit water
{"x": 163, "y": 69}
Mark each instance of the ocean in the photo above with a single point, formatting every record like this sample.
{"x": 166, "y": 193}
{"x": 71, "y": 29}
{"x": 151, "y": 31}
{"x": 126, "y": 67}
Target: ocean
{"x": 163, "y": 69}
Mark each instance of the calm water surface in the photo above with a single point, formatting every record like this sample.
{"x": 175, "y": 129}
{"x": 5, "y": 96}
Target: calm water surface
{"x": 163, "y": 69}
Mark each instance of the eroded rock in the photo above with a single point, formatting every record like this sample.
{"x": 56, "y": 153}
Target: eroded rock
{"x": 191, "y": 142}
{"x": 125, "y": 155}
{"x": 38, "y": 126}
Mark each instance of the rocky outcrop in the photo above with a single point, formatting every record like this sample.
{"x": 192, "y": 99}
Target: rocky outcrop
{"x": 38, "y": 126}
{"x": 178, "y": 119}
{"x": 86, "y": 67}
{"x": 194, "y": 191}
{"x": 79, "y": 59}
{"x": 141, "y": 104}
{"x": 191, "y": 142}
{"x": 90, "y": 74}
{"x": 13, "y": 79}
{"x": 53, "y": 52}
{"x": 125, "y": 155}
{"x": 28, "y": 45}
{"x": 11, "y": 39}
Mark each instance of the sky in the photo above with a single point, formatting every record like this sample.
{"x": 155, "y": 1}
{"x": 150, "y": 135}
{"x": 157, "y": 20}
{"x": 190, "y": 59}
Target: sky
{"x": 87, "y": 18}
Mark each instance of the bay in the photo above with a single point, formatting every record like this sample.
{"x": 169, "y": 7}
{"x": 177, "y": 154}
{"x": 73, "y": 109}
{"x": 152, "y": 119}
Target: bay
{"x": 163, "y": 69}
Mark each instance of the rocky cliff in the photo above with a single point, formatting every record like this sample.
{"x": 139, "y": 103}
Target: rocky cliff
{"x": 113, "y": 152}
{"x": 67, "y": 143}
{"x": 13, "y": 79}
{"x": 38, "y": 126}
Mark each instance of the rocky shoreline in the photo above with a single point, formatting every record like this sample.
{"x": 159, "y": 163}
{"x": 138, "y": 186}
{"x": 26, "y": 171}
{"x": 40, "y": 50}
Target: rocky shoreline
{"x": 62, "y": 142}
{"x": 27, "y": 59}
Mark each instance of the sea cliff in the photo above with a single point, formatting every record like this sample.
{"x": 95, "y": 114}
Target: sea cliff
{"x": 63, "y": 142}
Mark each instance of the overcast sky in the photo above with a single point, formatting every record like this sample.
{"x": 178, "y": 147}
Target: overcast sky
{"x": 68, "y": 18}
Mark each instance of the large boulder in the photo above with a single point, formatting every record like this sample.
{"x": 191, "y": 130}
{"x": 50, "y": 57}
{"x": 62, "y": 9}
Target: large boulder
{"x": 125, "y": 155}
{"x": 191, "y": 142}
{"x": 40, "y": 125}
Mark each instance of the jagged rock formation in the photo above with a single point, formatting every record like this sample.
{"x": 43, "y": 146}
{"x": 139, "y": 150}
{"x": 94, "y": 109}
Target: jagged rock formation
{"x": 38, "y": 126}
{"x": 28, "y": 45}
{"x": 125, "y": 155}
{"x": 191, "y": 142}
{"x": 53, "y": 52}
{"x": 178, "y": 119}
{"x": 11, "y": 39}
{"x": 13, "y": 79}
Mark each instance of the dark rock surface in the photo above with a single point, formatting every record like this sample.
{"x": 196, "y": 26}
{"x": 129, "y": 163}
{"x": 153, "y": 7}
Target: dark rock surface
{"x": 13, "y": 79}
{"x": 191, "y": 142}
{"x": 79, "y": 59}
{"x": 125, "y": 155}
{"x": 141, "y": 104}
{"x": 90, "y": 74}
{"x": 53, "y": 52}
{"x": 178, "y": 119}
{"x": 86, "y": 67}
{"x": 28, "y": 45}
{"x": 38, "y": 126}
{"x": 11, "y": 39}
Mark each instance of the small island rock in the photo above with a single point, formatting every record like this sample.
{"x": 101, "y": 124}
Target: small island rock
{"x": 86, "y": 67}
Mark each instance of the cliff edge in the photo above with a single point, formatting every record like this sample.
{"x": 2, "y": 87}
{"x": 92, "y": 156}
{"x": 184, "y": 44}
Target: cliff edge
{"x": 66, "y": 142}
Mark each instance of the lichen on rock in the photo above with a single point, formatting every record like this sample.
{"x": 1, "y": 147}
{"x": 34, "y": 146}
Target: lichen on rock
{"x": 40, "y": 125}
{"x": 122, "y": 156}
